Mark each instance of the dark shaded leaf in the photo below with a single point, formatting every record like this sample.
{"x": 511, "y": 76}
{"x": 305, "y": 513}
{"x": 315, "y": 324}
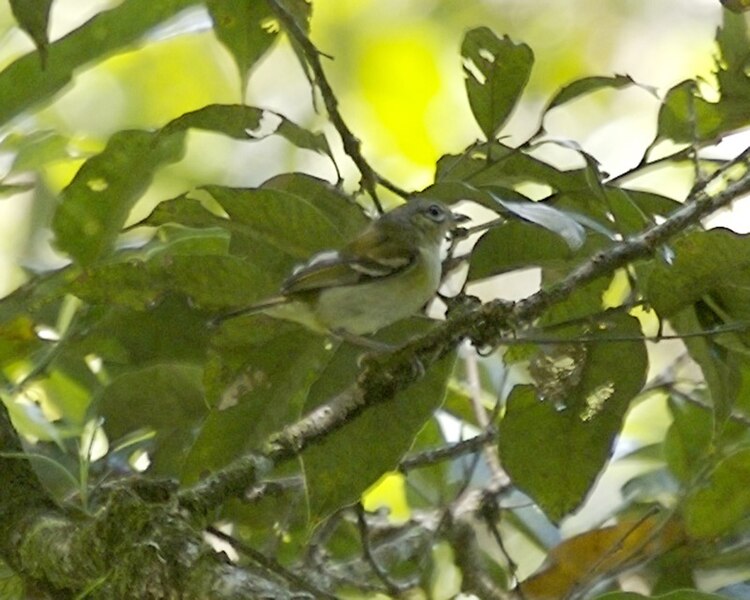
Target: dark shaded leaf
{"x": 497, "y": 164}
{"x": 676, "y": 595}
{"x": 587, "y": 85}
{"x": 496, "y": 73}
{"x": 720, "y": 366}
{"x": 688, "y": 438}
{"x": 167, "y": 398}
{"x": 515, "y": 245}
{"x": 209, "y": 281}
{"x": 342, "y": 466}
{"x": 252, "y": 393}
{"x": 701, "y": 261}
{"x": 553, "y": 449}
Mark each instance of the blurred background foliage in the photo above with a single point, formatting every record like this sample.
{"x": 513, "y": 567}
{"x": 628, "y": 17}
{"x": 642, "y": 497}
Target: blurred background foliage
{"x": 396, "y": 71}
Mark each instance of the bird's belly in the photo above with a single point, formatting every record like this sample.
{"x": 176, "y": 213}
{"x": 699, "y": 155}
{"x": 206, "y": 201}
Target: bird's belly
{"x": 365, "y": 308}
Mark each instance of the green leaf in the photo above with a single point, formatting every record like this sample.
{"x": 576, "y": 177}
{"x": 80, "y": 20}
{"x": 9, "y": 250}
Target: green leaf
{"x": 97, "y": 202}
{"x": 553, "y": 448}
{"x": 248, "y": 122}
{"x": 171, "y": 331}
{"x": 11, "y": 189}
{"x": 290, "y": 223}
{"x": 35, "y": 150}
{"x": 24, "y": 82}
{"x": 167, "y": 398}
{"x": 340, "y": 467}
{"x": 722, "y": 501}
{"x": 587, "y": 85}
{"x": 497, "y": 164}
{"x": 688, "y": 440}
{"x": 701, "y": 262}
{"x": 515, "y": 245}
{"x": 252, "y": 393}
{"x": 209, "y": 281}
{"x": 242, "y": 26}
{"x": 685, "y": 117}
{"x": 496, "y": 71}
{"x": 33, "y": 17}
{"x": 720, "y": 366}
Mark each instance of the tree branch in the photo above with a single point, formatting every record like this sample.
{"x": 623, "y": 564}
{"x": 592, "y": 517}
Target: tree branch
{"x": 352, "y": 146}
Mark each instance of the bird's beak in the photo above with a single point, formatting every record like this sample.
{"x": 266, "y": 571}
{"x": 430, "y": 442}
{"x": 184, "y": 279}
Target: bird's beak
{"x": 459, "y": 218}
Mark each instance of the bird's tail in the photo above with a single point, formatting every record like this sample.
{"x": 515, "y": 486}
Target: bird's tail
{"x": 248, "y": 310}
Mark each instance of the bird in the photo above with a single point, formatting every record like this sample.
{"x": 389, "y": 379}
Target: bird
{"x": 385, "y": 274}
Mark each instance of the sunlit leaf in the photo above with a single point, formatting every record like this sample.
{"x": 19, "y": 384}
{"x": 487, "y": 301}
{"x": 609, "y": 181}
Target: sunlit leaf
{"x": 24, "y": 83}
{"x": 496, "y": 71}
{"x": 549, "y": 218}
{"x": 97, "y": 202}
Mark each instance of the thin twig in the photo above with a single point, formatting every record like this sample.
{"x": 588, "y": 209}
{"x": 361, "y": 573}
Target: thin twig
{"x": 430, "y": 457}
{"x": 352, "y": 147}
{"x": 393, "y": 588}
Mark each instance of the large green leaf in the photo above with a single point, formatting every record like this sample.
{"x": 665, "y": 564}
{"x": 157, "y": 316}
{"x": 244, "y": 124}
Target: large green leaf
{"x": 515, "y": 245}
{"x": 251, "y": 389}
{"x": 701, "y": 262}
{"x": 554, "y": 446}
{"x": 720, "y": 366}
{"x": 340, "y": 467}
{"x": 97, "y": 202}
{"x": 209, "y": 281}
{"x": 167, "y": 398}
{"x": 686, "y": 116}
{"x": 289, "y": 222}
{"x": 496, "y": 73}
{"x": 723, "y": 500}
{"x": 688, "y": 440}
{"x": 25, "y": 82}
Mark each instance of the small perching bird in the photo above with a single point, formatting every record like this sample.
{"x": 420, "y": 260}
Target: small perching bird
{"x": 385, "y": 274}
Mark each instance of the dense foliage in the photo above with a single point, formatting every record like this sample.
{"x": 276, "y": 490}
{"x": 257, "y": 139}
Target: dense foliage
{"x": 117, "y": 386}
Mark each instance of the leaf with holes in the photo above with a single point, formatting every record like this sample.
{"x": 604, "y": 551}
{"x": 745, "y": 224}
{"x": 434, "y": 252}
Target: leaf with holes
{"x": 554, "y": 447}
{"x": 496, "y": 73}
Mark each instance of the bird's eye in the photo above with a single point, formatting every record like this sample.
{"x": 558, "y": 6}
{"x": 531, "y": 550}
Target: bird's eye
{"x": 435, "y": 212}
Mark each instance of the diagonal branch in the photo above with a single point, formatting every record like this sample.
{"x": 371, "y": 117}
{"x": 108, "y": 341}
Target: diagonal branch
{"x": 352, "y": 146}
{"x": 382, "y": 376}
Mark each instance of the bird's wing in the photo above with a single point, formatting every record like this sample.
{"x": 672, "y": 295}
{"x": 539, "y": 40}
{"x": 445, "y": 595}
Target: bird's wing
{"x": 370, "y": 256}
